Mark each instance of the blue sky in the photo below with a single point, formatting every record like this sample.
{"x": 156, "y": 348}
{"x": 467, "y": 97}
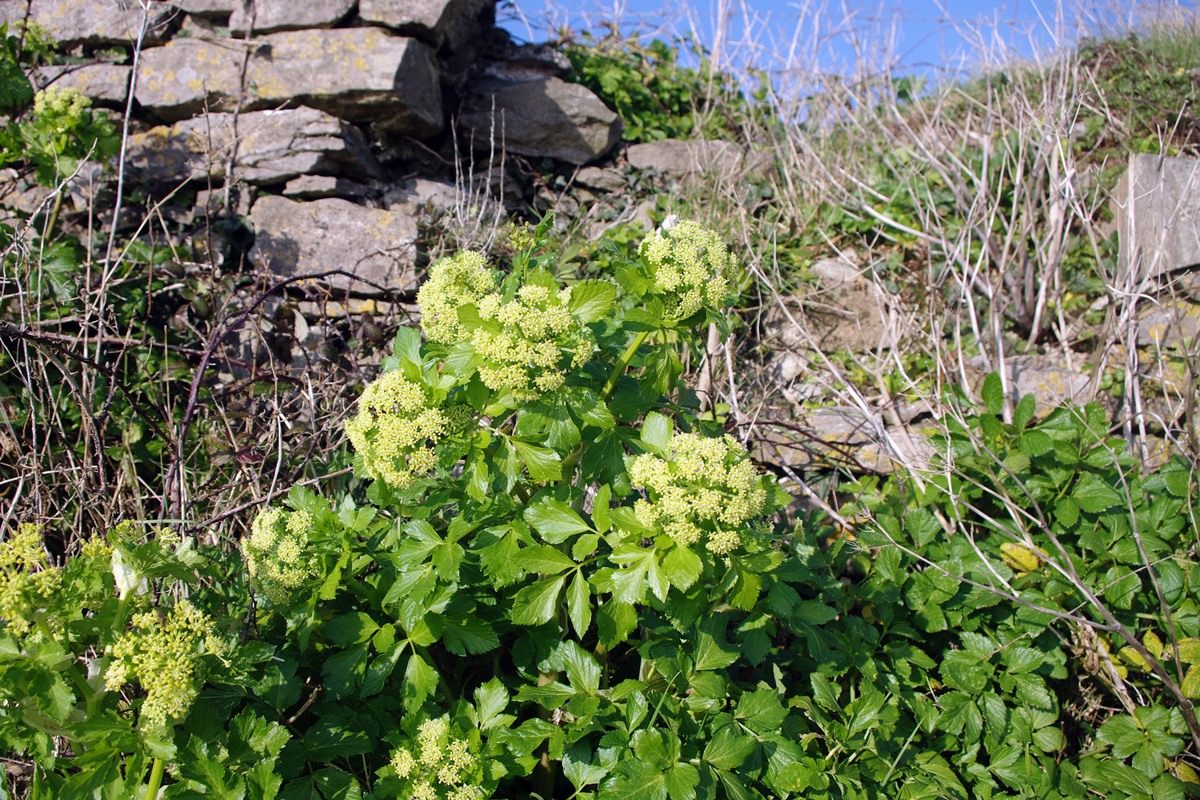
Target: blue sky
{"x": 936, "y": 38}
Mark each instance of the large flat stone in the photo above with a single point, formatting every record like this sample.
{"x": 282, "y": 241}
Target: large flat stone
{"x": 547, "y": 118}
{"x": 188, "y": 76}
{"x": 106, "y": 84}
{"x": 272, "y": 147}
{"x": 286, "y": 15}
{"x": 1158, "y": 215}
{"x": 358, "y": 74}
{"x": 207, "y": 8}
{"x": 377, "y": 248}
{"x": 452, "y": 23}
{"x": 684, "y": 158}
{"x": 92, "y": 22}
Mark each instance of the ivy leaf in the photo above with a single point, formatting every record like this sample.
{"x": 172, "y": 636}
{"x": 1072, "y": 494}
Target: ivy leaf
{"x": 592, "y": 301}
{"x": 554, "y": 520}
{"x": 535, "y": 604}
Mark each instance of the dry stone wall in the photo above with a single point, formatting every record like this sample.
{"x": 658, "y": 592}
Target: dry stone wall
{"x": 330, "y": 123}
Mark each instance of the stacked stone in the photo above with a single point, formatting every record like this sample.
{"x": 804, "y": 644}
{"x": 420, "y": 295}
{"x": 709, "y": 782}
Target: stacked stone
{"x": 304, "y": 104}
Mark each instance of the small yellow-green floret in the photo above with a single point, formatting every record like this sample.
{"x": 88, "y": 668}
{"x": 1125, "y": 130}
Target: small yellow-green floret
{"x": 438, "y": 765}
{"x": 163, "y": 654}
{"x": 395, "y": 429}
{"x": 276, "y": 552}
{"x": 27, "y": 581}
{"x": 692, "y": 267}
{"x": 707, "y": 490}
{"x": 537, "y": 342}
{"x": 461, "y": 279}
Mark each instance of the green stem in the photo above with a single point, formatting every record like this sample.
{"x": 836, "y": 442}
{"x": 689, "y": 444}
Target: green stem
{"x": 58, "y": 201}
{"x": 622, "y": 365}
{"x": 156, "y": 776}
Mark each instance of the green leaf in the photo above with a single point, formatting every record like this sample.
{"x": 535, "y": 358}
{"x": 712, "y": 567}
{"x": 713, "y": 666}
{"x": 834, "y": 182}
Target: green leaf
{"x": 728, "y": 750}
{"x": 470, "y": 635}
{"x": 582, "y": 670}
{"x": 682, "y": 566}
{"x": 615, "y": 621}
{"x": 536, "y": 604}
{"x": 1023, "y": 413}
{"x": 656, "y": 434}
{"x": 554, "y": 520}
{"x": 579, "y": 604}
{"x": 761, "y": 710}
{"x": 1066, "y": 512}
{"x": 344, "y": 671}
{"x": 335, "y": 736}
{"x": 408, "y": 345}
{"x": 1094, "y": 495}
{"x": 544, "y": 465}
{"x": 712, "y": 651}
{"x": 592, "y": 301}
{"x": 491, "y": 699}
{"x": 993, "y": 393}
{"x": 600, "y": 508}
{"x": 681, "y": 782}
{"x": 635, "y": 780}
{"x": 543, "y": 559}
{"x": 420, "y": 681}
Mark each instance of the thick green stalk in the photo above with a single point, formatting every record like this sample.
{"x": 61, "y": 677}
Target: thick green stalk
{"x": 156, "y": 776}
{"x": 622, "y": 365}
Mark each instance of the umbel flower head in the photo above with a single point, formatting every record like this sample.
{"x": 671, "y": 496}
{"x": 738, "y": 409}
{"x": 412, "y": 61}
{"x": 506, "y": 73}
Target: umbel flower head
{"x": 396, "y": 427}
{"x": 535, "y": 341}
{"x": 708, "y": 490}
{"x": 691, "y": 267}
{"x": 27, "y": 581}
{"x": 438, "y": 765}
{"x": 276, "y": 552}
{"x": 164, "y": 654}
{"x": 462, "y": 279}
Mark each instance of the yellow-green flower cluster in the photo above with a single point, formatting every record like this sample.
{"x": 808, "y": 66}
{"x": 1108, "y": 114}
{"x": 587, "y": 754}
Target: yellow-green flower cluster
{"x": 277, "y": 554}
{"x": 395, "y": 429}
{"x": 537, "y": 340}
{"x": 692, "y": 267}
{"x": 462, "y": 279}
{"x": 163, "y": 655}
{"x": 707, "y": 490}
{"x": 439, "y": 766}
{"x": 61, "y": 108}
{"x": 27, "y": 581}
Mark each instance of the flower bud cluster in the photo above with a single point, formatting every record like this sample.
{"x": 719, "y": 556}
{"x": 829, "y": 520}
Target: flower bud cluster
{"x": 692, "y": 267}
{"x": 163, "y": 654}
{"x": 64, "y": 108}
{"x": 395, "y": 430}
{"x": 27, "y": 581}
{"x": 462, "y": 279}
{"x": 537, "y": 338}
{"x": 438, "y": 766}
{"x": 708, "y": 490}
{"x": 276, "y": 552}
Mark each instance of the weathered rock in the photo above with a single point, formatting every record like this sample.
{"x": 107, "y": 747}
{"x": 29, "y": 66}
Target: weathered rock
{"x": 841, "y": 436}
{"x": 187, "y": 76}
{"x": 315, "y": 187}
{"x": 682, "y": 158}
{"x": 92, "y": 22}
{"x": 509, "y": 62}
{"x": 545, "y": 118}
{"x": 364, "y": 75}
{"x": 416, "y": 194}
{"x": 449, "y": 23}
{"x": 1046, "y": 377}
{"x": 268, "y": 16}
{"x": 377, "y": 248}
{"x": 272, "y": 146}
{"x": 207, "y": 8}
{"x": 104, "y": 83}
{"x": 605, "y": 180}
{"x": 843, "y": 311}
{"x": 1158, "y": 215}
{"x": 358, "y": 74}
{"x": 1169, "y": 323}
